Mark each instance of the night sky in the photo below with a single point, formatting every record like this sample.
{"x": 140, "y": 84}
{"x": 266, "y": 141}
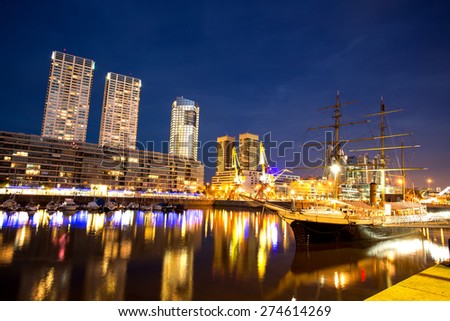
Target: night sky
{"x": 258, "y": 66}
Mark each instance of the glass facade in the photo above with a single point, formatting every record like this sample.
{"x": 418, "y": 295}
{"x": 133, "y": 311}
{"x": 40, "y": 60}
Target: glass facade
{"x": 184, "y": 128}
{"x": 67, "y": 102}
{"x": 118, "y": 127}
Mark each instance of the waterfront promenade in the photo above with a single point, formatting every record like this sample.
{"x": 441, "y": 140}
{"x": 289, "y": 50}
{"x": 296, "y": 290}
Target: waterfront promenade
{"x": 432, "y": 284}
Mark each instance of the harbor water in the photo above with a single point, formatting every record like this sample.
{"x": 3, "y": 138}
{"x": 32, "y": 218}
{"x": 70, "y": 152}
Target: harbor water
{"x": 203, "y": 254}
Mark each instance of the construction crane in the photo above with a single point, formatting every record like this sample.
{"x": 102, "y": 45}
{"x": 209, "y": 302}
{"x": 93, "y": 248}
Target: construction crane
{"x": 265, "y": 177}
{"x": 266, "y": 187}
{"x": 239, "y": 179}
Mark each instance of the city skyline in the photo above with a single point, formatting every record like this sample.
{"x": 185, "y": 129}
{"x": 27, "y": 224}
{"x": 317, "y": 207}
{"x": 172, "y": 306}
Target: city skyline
{"x": 265, "y": 68}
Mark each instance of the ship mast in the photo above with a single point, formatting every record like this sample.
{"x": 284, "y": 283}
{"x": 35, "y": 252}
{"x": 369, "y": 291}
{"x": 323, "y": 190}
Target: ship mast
{"x": 382, "y": 149}
{"x": 332, "y": 159}
{"x": 383, "y": 153}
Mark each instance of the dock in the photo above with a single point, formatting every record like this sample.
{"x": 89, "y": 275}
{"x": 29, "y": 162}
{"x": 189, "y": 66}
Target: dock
{"x": 432, "y": 284}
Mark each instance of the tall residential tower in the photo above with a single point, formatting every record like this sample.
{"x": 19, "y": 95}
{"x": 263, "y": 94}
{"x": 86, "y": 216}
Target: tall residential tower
{"x": 118, "y": 127}
{"x": 68, "y": 97}
{"x": 225, "y": 145}
{"x": 248, "y": 151}
{"x": 184, "y": 128}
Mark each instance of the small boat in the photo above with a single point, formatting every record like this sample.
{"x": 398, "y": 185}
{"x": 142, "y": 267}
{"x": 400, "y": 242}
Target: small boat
{"x": 10, "y": 205}
{"x": 68, "y": 205}
{"x": 178, "y": 208}
{"x": 92, "y": 206}
{"x": 31, "y": 207}
{"x": 110, "y": 205}
{"x": 168, "y": 208}
{"x": 52, "y": 206}
{"x": 133, "y": 206}
{"x": 146, "y": 207}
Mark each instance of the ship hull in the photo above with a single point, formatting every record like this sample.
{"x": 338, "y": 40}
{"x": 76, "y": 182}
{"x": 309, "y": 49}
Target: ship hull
{"x": 308, "y": 233}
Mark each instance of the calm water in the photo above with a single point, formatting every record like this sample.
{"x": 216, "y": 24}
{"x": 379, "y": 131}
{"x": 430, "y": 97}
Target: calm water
{"x": 199, "y": 255}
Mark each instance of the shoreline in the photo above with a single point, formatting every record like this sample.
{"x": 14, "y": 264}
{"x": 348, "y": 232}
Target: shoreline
{"x": 188, "y": 202}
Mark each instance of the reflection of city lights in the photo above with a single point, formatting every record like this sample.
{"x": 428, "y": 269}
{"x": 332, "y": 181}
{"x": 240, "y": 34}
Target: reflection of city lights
{"x": 262, "y": 261}
{"x": 21, "y": 238}
{"x": 42, "y": 290}
{"x": 336, "y": 279}
{"x": 57, "y": 219}
{"x": 3, "y": 218}
{"x": 274, "y": 236}
{"x": 391, "y": 249}
{"x": 95, "y": 223}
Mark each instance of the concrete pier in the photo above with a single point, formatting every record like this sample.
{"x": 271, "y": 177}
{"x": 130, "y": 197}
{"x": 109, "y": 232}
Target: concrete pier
{"x": 432, "y": 284}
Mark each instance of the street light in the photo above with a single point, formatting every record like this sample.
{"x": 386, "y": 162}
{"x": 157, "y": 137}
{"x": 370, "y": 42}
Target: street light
{"x": 429, "y": 182}
{"x": 335, "y": 169}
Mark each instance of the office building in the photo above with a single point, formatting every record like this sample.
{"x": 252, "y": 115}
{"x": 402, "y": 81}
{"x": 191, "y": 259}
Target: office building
{"x": 184, "y": 128}
{"x": 67, "y": 102}
{"x": 225, "y": 145}
{"x": 248, "y": 151}
{"x": 118, "y": 127}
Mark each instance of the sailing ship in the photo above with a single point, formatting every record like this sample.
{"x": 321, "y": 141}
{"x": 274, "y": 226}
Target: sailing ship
{"x": 337, "y": 219}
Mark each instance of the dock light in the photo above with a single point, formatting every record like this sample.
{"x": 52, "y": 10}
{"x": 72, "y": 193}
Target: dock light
{"x": 335, "y": 168}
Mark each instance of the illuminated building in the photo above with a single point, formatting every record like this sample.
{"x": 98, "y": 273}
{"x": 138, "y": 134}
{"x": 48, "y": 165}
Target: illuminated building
{"x": 118, "y": 127}
{"x": 225, "y": 178}
{"x": 225, "y": 146}
{"x": 35, "y": 161}
{"x": 184, "y": 128}
{"x": 67, "y": 102}
{"x": 248, "y": 151}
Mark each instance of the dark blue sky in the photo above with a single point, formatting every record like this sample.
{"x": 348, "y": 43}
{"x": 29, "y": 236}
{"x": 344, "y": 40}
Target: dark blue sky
{"x": 258, "y": 66}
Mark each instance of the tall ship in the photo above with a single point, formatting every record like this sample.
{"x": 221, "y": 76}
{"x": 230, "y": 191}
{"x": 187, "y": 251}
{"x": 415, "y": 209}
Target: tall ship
{"x": 358, "y": 209}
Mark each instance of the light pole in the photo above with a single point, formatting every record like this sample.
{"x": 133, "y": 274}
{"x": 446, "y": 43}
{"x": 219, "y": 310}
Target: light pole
{"x": 335, "y": 169}
{"x": 429, "y": 181}
{"x": 402, "y": 185}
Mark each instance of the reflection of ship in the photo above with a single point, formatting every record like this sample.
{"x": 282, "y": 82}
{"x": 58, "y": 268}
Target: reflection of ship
{"x": 349, "y": 272}
{"x": 339, "y": 219}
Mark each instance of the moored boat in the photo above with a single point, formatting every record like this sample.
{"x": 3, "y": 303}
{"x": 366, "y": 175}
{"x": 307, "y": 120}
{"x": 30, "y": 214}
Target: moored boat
{"x": 336, "y": 219}
{"x": 52, "y": 206}
{"x": 68, "y": 206}
{"x": 10, "y": 205}
{"x": 341, "y": 222}
{"x": 31, "y": 208}
{"x": 110, "y": 205}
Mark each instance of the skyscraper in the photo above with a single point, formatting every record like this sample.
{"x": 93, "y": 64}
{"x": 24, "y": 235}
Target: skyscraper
{"x": 184, "y": 128}
{"x": 225, "y": 145}
{"x": 67, "y": 103}
{"x": 248, "y": 151}
{"x": 118, "y": 127}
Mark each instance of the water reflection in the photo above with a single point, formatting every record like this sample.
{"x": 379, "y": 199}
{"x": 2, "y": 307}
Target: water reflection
{"x": 357, "y": 271}
{"x": 197, "y": 255}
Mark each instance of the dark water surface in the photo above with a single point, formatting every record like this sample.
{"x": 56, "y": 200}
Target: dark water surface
{"x": 199, "y": 255}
